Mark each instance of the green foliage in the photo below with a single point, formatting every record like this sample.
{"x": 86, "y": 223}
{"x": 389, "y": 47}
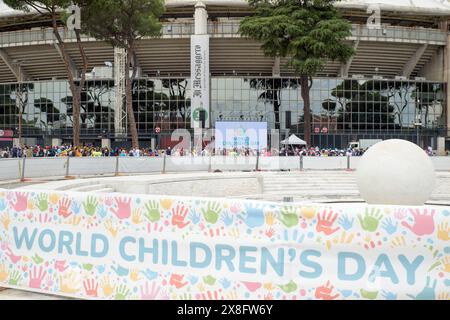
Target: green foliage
{"x": 42, "y": 6}
{"x": 120, "y": 22}
{"x": 309, "y": 32}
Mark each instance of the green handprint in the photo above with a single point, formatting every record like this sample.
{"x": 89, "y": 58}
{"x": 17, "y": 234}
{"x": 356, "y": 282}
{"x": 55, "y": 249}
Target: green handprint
{"x": 90, "y": 206}
{"x": 371, "y": 295}
{"x": 153, "y": 214}
{"x": 209, "y": 280}
{"x": 288, "y": 288}
{"x": 289, "y": 216}
{"x": 212, "y": 212}
{"x": 42, "y": 202}
{"x": 122, "y": 292}
{"x": 37, "y": 259}
{"x": 371, "y": 220}
{"x": 88, "y": 266}
{"x": 14, "y": 278}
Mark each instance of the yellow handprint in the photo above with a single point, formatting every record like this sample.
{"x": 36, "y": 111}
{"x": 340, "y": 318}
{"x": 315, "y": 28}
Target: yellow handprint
{"x": 443, "y": 296}
{"x": 136, "y": 216}
{"x": 166, "y": 204}
{"x": 268, "y": 286}
{"x": 234, "y": 232}
{"x": 444, "y": 231}
{"x": 75, "y": 220}
{"x": 110, "y": 227}
{"x": 270, "y": 218}
{"x": 54, "y": 198}
{"x": 446, "y": 264}
{"x": 5, "y": 220}
{"x": 201, "y": 287}
{"x": 308, "y": 212}
{"x": 3, "y": 273}
{"x": 30, "y": 205}
{"x": 108, "y": 288}
{"x": 134, "y": 275}
{"x": 344, "y": 238}
{"x": 398, "y": 241}
{"x": 69, "y": 283}
{"x": 232, "y": 295}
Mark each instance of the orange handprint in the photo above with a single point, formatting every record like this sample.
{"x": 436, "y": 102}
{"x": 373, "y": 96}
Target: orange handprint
{"x": 325, "y": 222}
{"x": 325, "y": 292}
{"x": 177, "y": 281}
{"x": 179, "y": 215}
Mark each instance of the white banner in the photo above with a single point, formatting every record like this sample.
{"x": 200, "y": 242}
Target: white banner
{"x": 199, "y": 80}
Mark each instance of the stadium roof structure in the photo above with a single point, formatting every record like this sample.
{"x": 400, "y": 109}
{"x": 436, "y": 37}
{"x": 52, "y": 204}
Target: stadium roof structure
{"x": 411, "y": 37}
{"x": 401, "y": 7}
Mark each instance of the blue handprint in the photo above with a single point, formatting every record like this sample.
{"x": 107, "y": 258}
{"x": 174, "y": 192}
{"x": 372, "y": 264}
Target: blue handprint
{"x": 345, "y": 222}
{"x": 2, "y": 204}
{"x": 389, "y": 295}
{"x": 102, "y": 211}
{"x": 227, "y": 219}
{"x": 149, "y": 274}
{"x": 195, "y": 217}
{"x": 254, "y": 216}
{"x": 100, "y": 268}
{"x": 76, "y": 207}
{"x": 428, "y": 293}
{"x": 389, "y": 226}
{"x": 225, "y": 283}
{"x": 192, "y": 279}
{"x": 120, "y": 271}
{"x": 294, "y": 236}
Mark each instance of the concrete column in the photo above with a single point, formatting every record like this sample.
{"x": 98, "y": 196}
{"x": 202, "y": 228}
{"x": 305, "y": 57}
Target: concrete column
{"x": 441, "y": 146}
{"x": 444, "y": 26}
{"x": 106, "y": 143}
{"x": 201, "y": 18}
{"x": 56, "y": 142}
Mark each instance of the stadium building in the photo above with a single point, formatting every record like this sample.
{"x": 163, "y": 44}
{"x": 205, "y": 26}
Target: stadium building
{"x": 394, "y": 87}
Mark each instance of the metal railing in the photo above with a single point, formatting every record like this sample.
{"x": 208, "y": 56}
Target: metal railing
{"x": 231, "y": 28}
{"x": 32, "y": 168}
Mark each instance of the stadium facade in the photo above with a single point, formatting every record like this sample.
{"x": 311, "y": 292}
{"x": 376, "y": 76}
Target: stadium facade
{"x": 394, "y": 87}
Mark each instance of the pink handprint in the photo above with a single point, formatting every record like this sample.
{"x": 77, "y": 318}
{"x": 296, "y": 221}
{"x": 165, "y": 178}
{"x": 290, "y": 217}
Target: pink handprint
{"x": 14, "y": 259}
{"x": 210, "y": 295}
{"x": 36, "y": 277}
{"x": 123, "y": 210}
{"x": 21, "y": 201}
{"x": 423, "y": 222}
{"x": 177, "y": 281}
{"x": 91, "y": 287}
{"x": 325, "y": 222}
{"x": 61, "y": 266}
{"x": 179, "y": 215}
{"x": 150, "y": 294}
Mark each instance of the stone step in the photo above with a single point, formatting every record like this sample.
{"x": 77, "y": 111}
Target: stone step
{"x": 105, "y": 190}
{"x": 91, "y": 187}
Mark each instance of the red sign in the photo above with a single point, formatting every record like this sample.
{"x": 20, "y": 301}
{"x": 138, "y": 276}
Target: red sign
{"x": 6, "y": 133}
{"x": 157, "y": 129}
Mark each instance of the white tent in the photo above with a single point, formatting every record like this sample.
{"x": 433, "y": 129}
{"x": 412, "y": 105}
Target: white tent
{"x": 294, "y": 141}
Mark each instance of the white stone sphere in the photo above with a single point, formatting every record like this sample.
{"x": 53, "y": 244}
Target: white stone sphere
{"x": 396, "y": 172}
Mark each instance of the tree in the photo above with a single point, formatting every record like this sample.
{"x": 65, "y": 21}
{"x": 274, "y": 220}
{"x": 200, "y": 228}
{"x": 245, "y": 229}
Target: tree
{"x": 57, "y": 11}
{"x": 308, "y": 32}
{"x": 122, "y": 23}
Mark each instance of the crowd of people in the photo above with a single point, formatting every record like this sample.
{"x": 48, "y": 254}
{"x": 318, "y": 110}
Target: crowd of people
{"x": 93, "y": 151}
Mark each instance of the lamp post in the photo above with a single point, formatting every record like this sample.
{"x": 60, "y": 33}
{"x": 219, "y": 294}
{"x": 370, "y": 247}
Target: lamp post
{"x": 418, "y": 125}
